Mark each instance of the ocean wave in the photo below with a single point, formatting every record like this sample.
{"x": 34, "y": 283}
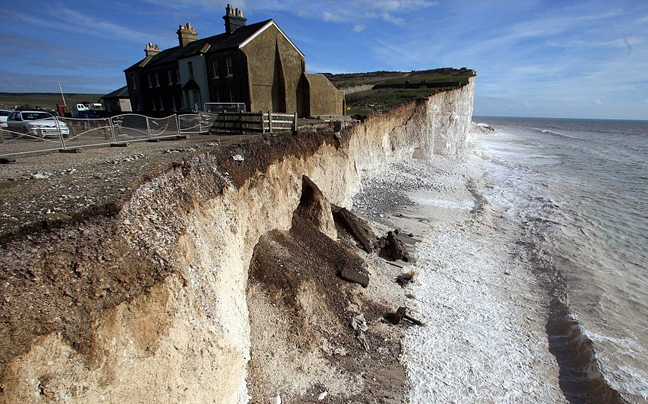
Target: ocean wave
{"x": 581, "y": 378}
{"x": 556, "y": 133}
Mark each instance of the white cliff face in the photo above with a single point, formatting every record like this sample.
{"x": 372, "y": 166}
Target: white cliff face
{"x": 187, "y": 338}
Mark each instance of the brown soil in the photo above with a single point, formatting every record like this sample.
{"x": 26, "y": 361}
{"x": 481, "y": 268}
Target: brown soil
{"x": 312, "y": 309}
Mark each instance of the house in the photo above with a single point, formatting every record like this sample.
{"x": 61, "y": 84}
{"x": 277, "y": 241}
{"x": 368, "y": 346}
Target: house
{"x": 255, "y": 64}
{"x": 118, "y": 101}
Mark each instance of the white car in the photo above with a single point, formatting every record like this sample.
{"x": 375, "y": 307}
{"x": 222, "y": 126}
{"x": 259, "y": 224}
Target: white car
{"x": 3, "y": 117}
{"x": 36, "y": 123}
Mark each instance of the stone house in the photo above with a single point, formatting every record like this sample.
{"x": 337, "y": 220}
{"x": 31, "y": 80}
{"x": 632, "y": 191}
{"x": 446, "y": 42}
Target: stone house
{"x": 118, "y": 101}
{"x": 256, "y": 64}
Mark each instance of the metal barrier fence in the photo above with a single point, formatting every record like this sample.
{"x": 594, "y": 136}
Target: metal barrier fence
{"x": 70, "y": 134}
{"x": 218, "y": 107}
{"x": 73, "y": 133}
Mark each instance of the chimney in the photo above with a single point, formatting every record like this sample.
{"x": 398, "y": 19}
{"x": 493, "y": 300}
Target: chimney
{"x": 151, "y": 50}
{"x": 233, "y": 19}
{"x": 186, "y": 34}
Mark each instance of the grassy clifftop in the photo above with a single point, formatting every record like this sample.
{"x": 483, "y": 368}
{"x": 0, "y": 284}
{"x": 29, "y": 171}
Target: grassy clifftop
{"x": 393, "y": 88}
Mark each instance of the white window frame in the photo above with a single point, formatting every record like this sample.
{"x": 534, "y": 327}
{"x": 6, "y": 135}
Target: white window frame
{"x": 230, "y": 66}
{"x": 215, "y": 69}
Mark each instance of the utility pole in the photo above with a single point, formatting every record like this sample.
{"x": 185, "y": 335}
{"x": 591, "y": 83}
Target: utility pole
{"x": 62, "y": 96}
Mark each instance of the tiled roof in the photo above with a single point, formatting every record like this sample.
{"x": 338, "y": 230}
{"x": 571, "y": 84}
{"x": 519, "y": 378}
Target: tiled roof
{"x": 212, "y": 44}
{"x": 121, "y": 93}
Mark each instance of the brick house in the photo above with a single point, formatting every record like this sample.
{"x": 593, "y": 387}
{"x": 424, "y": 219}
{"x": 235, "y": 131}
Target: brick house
{"x": 254, "y": 64}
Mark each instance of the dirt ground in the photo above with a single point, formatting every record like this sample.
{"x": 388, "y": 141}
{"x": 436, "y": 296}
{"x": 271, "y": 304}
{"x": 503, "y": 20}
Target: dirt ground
{"x": 44, "y": 190}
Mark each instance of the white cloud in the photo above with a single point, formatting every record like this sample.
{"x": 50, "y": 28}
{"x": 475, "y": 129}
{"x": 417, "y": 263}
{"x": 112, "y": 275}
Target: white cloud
{"x": 331, "y": 17}
{"x": 73, "y": 21}
{"x": 359, "y": 27}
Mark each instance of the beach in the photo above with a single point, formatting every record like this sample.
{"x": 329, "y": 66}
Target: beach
{"x": 484, "y": 339}
{"x": 526, "y": 275}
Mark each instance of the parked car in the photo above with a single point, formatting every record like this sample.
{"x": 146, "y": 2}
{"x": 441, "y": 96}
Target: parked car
{"x": 4, "y": 113}
{"x": 36, "y": 123}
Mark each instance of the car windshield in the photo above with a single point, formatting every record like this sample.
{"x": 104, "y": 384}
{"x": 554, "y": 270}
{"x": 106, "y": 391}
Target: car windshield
{"x": 28, "y": 116}
{"x": 5, "y": 113}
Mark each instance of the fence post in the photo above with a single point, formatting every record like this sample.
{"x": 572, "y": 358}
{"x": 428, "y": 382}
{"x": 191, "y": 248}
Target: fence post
{"x": 148, "y": 128}
{"x": 240, "y": 117}
{"x": 112, "y": 129}
{"x": 270, "y": 121}
{"x": 262, "y": 122}
{"x": 58, "y": 127}
{"x": 200, "y": 124}
{"x": 177, "y": 119}
{"x": 295, "y": 123}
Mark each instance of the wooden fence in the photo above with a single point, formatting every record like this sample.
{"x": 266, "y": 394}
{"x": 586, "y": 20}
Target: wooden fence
{"x": 254, "y": 122}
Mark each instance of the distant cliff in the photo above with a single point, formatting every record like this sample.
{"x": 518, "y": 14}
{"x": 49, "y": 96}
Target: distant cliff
{"x": 155, "y": 306}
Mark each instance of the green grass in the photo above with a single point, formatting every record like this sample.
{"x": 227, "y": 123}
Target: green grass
{"x": 46, "y": 101}
{"x": 366, "y": 102}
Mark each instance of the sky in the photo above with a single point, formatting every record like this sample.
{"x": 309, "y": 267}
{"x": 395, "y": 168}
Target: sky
{"x": 563, "y": 59}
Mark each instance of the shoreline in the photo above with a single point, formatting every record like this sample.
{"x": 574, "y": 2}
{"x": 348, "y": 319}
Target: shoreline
{"x": 485, "y": 338}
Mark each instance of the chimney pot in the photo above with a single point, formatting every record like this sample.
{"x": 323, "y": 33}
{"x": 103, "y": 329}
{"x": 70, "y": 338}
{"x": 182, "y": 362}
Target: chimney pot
{"x": 233, "y": 19}
{"x": 186, "y": 34}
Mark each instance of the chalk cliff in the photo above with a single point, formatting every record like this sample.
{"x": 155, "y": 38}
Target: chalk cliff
{"x": 156, "y": 295}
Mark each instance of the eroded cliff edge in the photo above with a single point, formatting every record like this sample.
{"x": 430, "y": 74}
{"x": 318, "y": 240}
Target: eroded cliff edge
{"x": 155, "y": 297}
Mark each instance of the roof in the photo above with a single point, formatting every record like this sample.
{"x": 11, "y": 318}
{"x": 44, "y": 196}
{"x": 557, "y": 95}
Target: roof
{"x": 212, "y": 44}
{"x": 120, "y": 93}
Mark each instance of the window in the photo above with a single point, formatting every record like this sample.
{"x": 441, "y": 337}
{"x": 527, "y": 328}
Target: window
{"x": 154, "y": 105}
{"x": 230, "y": 67}
{"x": 161, "y": 104}
{"x": 157, "y": 79}
{"x": 133, "y": 82}
{"x": 215, "y": 68}
{"x": 191, "y": 74}
{"x": 170, "y": 74}
{"x": 150, "y": 80}
{"x": 178, "y": 75}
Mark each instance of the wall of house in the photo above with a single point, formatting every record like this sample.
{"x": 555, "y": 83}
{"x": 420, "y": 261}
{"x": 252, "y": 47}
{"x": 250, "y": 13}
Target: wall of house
{"x": 322, "y": 96}
{"x": 125, "y": 105}
{"x": 275, "y": 88}
{"x": 232, "y": 87}
{"x": 200, "y": 76}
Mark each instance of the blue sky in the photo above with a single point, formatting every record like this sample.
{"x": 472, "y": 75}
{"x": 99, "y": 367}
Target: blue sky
{"x": 579, "y": 59}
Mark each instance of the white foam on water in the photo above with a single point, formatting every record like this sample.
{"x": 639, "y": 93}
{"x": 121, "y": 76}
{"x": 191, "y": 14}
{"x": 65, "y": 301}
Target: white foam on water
{"x": 484, "y": 339}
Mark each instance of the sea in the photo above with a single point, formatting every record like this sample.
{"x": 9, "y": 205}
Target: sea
{"x": 530, "y": 263}
{"x": 583, "y": 203}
